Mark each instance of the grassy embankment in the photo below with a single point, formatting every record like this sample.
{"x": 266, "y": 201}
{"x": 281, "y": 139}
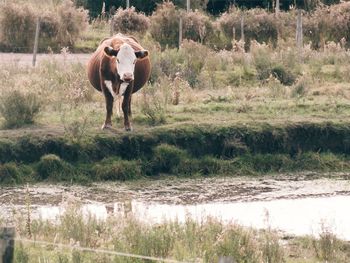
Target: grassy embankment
{"x": 233, "y": 113}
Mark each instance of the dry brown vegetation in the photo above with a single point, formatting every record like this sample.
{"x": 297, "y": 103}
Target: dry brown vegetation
{"x": 128, "y": 21}
{"x": 203, "y": 241}
{"x": 61, "y": 25}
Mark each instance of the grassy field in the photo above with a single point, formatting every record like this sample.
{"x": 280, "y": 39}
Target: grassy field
{"x": 203, "y": 113}
{"x": 232, "y": 113}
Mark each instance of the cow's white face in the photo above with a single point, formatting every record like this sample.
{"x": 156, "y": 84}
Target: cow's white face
{"x": 125, "y": 62}
{"x": 126, "y": 59}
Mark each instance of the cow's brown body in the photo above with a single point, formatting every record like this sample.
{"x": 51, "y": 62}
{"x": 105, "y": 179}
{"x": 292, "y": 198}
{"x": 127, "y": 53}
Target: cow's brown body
{"x": 101, "y": 68}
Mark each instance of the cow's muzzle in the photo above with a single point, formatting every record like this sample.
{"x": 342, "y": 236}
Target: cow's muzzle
{"x": 128, "y": 77}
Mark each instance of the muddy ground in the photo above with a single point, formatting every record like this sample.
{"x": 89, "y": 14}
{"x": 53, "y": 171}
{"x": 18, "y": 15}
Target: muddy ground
{"x": 184, "y": 191}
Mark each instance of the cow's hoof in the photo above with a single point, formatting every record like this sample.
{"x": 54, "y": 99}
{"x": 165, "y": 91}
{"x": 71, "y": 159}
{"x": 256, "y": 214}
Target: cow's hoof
{"x": 106, "y": 126}
{"x": 129, "y": 129}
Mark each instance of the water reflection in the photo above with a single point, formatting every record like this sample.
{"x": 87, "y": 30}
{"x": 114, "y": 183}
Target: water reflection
{"x": 296, "y": 216}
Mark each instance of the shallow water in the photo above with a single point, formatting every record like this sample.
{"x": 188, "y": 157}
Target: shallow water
{"x": 304, "y": 216}
{"x": 296, "y": 207}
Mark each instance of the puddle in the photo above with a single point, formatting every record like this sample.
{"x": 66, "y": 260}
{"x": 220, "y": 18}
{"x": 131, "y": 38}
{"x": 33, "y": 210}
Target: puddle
{"x": 296, "y": 207}
{"x": 298, "y": 216}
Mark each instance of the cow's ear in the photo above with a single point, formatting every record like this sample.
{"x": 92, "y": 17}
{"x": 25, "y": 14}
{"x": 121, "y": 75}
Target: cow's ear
{"x": 110, "y": 51}
{"x": 141, "y": 54}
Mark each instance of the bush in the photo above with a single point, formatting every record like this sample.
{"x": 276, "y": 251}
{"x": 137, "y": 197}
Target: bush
{"x": 53, "y": 167}
{"x": 19, "y": 109}
{"x": 267, "y": 64}
{"x": 193, "y": 54}
{"x": 328, "y": 24}
{"x": 300, "y": 89}
{"x": 259, "y": 25}
{"x": 165, "y": 24}
{"x": 242, "y": 245}
{"x": 9, "y": 174}
{"x": 197, "y": 26}
{"x": 60, "y": 26}
{"x": 153, "y": 107}
{"x": 166, "y": 158}
{"x": 130, "y": 21}
{"x": 73, "y": 21}
{"x": 262, "y": 60}
{"x": 205, "y": 166}
{"x": 285, "y": 76}
{"x": 17, "y": 26}
{"x": 117, "y": 169}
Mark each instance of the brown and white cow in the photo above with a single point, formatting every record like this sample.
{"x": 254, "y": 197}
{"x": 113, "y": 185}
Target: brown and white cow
{"x": 119, "y": 67}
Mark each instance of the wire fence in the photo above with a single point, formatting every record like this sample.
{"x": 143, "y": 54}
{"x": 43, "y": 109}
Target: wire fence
{"x": 103, "y": 251}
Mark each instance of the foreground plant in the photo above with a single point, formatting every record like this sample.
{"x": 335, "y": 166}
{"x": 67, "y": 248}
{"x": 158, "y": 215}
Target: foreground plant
{"x": 19, "y": 109}
{"x": 190, "y": 241}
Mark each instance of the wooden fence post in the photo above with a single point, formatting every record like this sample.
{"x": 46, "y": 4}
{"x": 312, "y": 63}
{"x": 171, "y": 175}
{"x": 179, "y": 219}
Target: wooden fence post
{"x": 242, "y": 28}
{"x": 188, "y": 4}
{"x": 180, "y": 32}
{"x": 277, "y": 8}
{"x": 7, "y": 244}
{"x": 36, "y": 41}
{"x": 299, "y": 32}
{"x": 111, "y": 30}
{"x": 127, "y": 4}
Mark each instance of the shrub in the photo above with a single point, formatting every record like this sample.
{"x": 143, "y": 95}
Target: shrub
{"x": 197, "y": 26}
{"x": 193, "y": 64}
{"x": 165, "y": 24}
{"x": 240, "y": 244}
{"x": 206, "y": 166}
{"x": 166, "y": 158}
{"x": 17, "y": 25}
{"x": 258, "y": 25}
{"x": 73, "y": 21}
{"x": 262, "y": 61}
{"x": 19, "y": 109}
{"x": 328, "y": 247}
{"x": 130, "y": 21}
{"x": 53, "y": 167}
{"x": 9, "y": 174}
{"x": 328, "y": 24}
{"x": 285, "y": 76}
{"x": 300, "y": 89}
{"x": 60, "y": 25}
{"x": 153, "y": 106}
{"x": 117, "y": 169}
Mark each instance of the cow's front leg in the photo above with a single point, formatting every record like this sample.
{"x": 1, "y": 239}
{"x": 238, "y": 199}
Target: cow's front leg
{"x": 127, "y": 108}
{"x": 109, "y": 109}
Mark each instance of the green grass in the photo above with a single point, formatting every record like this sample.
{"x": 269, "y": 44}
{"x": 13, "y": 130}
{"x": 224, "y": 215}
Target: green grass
{"x": 191, "y": 241}
{"x": 231, "y": 121}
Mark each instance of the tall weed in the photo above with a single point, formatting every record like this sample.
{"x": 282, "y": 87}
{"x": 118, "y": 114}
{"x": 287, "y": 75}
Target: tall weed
{"x": 19, "y": 109}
